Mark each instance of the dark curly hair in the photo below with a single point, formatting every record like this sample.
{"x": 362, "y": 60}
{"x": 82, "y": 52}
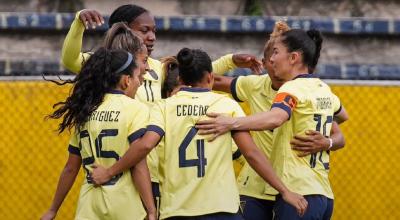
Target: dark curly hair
{"x": 99, "y": 75}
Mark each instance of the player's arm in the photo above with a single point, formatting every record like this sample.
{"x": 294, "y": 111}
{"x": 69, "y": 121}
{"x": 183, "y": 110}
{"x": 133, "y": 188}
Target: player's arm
{"x": 137, "y": 151}
{"x": 65, "y": 182}
{"x": 142, "y": 181}
{"x": 222, "y": 83}
{"x": 232, "y": 61}
{"x": 341, "y": 115}
{"x": 220, "y": 124}
{"x": 263, "y": 167}
{"x": 71, "y": 56}
{"x": 314, "y": 141}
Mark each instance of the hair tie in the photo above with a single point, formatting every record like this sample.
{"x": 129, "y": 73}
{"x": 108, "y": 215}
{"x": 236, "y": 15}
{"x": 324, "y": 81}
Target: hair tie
{"x": 126, "y": 64}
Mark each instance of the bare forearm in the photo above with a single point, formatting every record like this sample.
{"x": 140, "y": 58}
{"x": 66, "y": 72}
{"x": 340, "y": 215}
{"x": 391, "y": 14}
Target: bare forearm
{"x": 337, "y": 137}
{"x": 264, "y": 168}
{"x": 132, "y": 157}
{"x": 141, "y": 178}
{"x": 257, "y": 122}
{"x": 222, "y": 83}
{"x": 67, "y": 179}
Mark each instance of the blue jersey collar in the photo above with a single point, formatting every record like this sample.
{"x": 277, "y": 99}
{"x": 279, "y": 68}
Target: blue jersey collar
{"x": 193, "y": 89}
{"x": 306, "y": 75}
{"x": 114, "y": 91}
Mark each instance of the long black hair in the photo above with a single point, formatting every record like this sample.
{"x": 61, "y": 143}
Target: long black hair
{"x": 99, "y": 75}
{"x": 193, "y": 65}
{"x": 308, "y": 42}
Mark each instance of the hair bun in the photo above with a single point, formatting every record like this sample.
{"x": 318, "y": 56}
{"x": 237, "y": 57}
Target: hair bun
{"x": 185, "y": 57}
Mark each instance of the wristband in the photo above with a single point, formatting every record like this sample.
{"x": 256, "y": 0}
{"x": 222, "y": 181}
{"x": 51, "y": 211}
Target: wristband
{"x": 330, "y": 143}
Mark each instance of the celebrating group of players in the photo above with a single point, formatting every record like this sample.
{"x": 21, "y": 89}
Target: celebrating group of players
{"x": 156, "y": 142}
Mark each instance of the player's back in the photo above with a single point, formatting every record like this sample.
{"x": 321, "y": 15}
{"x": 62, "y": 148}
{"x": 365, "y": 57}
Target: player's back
{"x": 103, "y": 140}
{"x": 314, "y": 110}
{"x": 198, "y": 176}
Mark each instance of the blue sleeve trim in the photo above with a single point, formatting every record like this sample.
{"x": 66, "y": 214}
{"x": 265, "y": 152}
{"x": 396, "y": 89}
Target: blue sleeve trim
{"x": 156, "y": 129}
{"x": 74, "y": 150}
{"x": 337, "y": 112}
{"x": 136, "y": 135}
{"x": 236, "y": 155}
{"x": 233, "y": 90}
{"x": 283, "y": 107}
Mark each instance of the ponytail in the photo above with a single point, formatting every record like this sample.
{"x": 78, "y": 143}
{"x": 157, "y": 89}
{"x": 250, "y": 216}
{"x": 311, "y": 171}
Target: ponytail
{"x": 316, "y": 36}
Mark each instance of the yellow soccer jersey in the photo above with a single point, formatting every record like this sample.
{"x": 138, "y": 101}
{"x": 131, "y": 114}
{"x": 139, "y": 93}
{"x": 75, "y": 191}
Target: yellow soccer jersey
{"x": 118, "y": 121}
{"x": 149, "y": 92}
{"x": 257, "y": 91}
{"x": 197, "y": 175}
{"x": 311, "y": 105}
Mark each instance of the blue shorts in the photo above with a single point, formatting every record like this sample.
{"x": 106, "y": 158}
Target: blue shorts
{"x": 256, "y": 209}
{"x": 319, "y": 208}
{"x": 214, "y": 216}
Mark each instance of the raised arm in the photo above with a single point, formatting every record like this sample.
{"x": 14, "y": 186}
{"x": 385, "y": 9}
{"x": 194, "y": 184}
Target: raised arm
{"x": 65, "y": 182}
{"x": 263, "y": 167}
{"x": 71, "y": 55}
{"x": 232, "y": 61}
{"x": 222, "y": 83}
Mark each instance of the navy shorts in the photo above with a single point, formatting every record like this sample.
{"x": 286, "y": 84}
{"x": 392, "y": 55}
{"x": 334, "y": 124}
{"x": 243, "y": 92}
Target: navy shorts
{"x": 319, "y": 208}
{"x": 214, "y": 216}
{"x": 256, "y": 209}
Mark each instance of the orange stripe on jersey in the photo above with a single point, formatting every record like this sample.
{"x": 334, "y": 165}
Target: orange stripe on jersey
{"x": 285, "y": 102}
{"x": 286, "y": 99}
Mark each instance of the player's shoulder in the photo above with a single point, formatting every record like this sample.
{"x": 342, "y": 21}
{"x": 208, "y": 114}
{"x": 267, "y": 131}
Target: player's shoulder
{"x": 253, "y": 82}
{"x": 130, "y": 103}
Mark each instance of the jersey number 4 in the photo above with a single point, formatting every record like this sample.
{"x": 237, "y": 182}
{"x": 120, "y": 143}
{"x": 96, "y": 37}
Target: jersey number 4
{"x": 99, "y": 152}
{"x": 201, "y": 161}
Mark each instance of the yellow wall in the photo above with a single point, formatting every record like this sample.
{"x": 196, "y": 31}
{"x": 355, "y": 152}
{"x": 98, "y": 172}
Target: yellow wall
{"x": 32, "y": 155}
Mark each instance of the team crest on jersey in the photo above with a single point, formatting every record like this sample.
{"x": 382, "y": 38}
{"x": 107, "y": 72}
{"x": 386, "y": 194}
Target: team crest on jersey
{"x": 153, "y": 74}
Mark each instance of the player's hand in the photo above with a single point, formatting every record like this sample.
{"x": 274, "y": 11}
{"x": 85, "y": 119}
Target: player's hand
{"x": 217, "y": 125}
{"x": 248, "y": 61}
{"x": 313, "y": 142}
{"x": 297, "y": 201}
{"x": 91, "y": 18}
{"x": 100, "y": 175}
{"x": 49, "y": 215}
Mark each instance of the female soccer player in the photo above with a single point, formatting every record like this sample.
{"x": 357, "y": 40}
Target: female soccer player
{"x": 303, "y": 103}
{"x": 196, "y": 176}
{"x": 142, "y": 23}
{"x": 259, "y": 91}
{"x": 106, "y": 121}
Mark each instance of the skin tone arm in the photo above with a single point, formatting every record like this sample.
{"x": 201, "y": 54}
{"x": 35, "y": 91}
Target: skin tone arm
{"x": 341, "y": 116}
{"x": 67, "y": 179}
{"x": 263, "y": 167}
{"x": 220, "y": 124}
{"x": 315, "y": 142}
{"x": 222, "y": 83}
{"x": 137, "y": 151}
{"x": 230, "y": 62}
{"x": 141, "y": 179}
